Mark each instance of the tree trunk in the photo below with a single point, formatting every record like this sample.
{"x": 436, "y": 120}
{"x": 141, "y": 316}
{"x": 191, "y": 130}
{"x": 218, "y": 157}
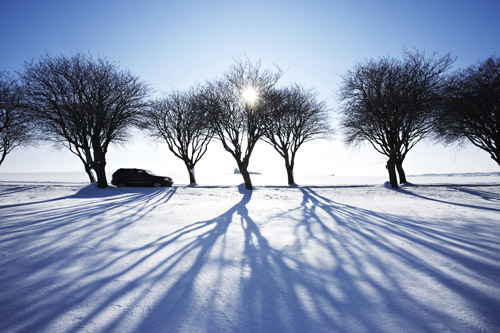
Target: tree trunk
{"x": 401, "y": 172}
{"x": 190, "y": 169}
{"x": 192, "y": 179}
{"x": 88, "y": 170}
{"x": 102, "y": 182}
{"x": 289, "y": 171}
{"x": 99, "y": 167}
{"x": 391, "y": 168}
{"x": 243, "y": 167}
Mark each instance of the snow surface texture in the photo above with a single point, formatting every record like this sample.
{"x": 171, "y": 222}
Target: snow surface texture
{"x": 75, "y": 258}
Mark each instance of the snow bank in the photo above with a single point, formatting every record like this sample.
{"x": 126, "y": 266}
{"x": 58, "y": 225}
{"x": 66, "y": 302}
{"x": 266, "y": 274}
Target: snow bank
{"x": 224, "y": 259}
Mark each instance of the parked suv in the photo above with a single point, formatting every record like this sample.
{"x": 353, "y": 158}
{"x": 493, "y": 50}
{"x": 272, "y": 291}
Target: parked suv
{"x": 139, "y": 177}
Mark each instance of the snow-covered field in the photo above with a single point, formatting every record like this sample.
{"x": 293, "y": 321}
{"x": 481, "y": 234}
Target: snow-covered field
{"x": 74, "y": 258}
{"x": 279, "y": 179}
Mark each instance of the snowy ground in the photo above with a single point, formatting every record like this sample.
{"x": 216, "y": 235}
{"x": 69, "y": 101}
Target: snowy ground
{"x": 280, "y": 179}
{"x": 74, "y": 258}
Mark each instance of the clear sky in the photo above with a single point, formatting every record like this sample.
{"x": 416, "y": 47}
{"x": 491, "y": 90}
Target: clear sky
{"x": 174, "y": 44}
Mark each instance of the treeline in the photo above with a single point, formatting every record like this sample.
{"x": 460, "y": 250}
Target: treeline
{"x": 86, "y": 103}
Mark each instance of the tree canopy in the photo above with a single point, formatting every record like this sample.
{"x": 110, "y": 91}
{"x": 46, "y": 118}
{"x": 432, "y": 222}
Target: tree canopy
{"x": 183, "y": 125}
{"x": 84, "y": 104}
{"x": 16, "y": 127}
{"x": 471, "y": 107}
{"x": 294, "y": 117}
{"x": 390, "y": 104}
{"x": 236, "y": 120}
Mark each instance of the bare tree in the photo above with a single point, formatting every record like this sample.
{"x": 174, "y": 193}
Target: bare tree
{"x": 295, "y": 116}
{"x": 184, "y": 126}
{"x": 15, "y": 124}
{"x": 84, "y": 104}
{"x": 236, "y": 112}
{"x": 390, "y": 103}
{"x": 471, "y": 107}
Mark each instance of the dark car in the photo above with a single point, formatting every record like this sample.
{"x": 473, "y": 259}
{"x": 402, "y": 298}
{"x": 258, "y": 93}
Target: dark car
{"x": 139, "y": 177}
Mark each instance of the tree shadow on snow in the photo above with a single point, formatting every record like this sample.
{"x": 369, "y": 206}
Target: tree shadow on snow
{"x": 267, "y": 296}
{"x": 344, "y": 268}
{"x": 383, "y": 260}
{"x": 363, "y": 270}
{"x": 6, "y": 190}
{"x": 485, "y": 195}
{"x": 81, "y": 228}
{"x": 90, "y": 191}
{"x": 355, "y": 276}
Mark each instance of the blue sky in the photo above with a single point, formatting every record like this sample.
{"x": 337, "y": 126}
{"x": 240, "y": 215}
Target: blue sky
{"x": 173, "y": 44}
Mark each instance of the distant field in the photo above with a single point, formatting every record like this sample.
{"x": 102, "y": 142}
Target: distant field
{"x": 181, "y": 178}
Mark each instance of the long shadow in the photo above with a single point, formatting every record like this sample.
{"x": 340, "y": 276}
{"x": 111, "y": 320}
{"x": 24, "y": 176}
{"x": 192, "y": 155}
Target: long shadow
{"x": 81, "y": 229}
{"x": 53, "y": 218}
{"x": 182, "y": 294}
{"x": 12, "y": 190}
{"x": 345, "y": 269}
{"x": 88, "y": 192}
{"x": 280, "y": 292}
{"x": 368, "y": 239}
{"x": 33, "y": 202}
{"x": 349, "y": 242}
{"x": 197, "y": 241}
{"x": 408, "y": 228}
{"x": 264, "y": 298}
{"x": 484, "y": 194}
{"x": 265, "y": 282}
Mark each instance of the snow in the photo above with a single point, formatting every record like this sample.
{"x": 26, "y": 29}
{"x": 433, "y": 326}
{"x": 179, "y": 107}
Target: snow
{"x": 259, "y": 179}
{"x": 74, "y": 258}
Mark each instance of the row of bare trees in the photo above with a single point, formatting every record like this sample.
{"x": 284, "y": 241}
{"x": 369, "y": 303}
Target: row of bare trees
{"x": 393, "y": 104}
{"x": 238, "y": 110}
{"x": 85, "y": 104}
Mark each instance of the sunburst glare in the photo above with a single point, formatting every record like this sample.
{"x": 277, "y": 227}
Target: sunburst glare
{"x": 250, "y": 95}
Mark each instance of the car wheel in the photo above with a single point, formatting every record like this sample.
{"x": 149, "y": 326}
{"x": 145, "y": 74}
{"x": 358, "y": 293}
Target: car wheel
{"x": 121, "y": 184}
{"x": 156, "y": 184}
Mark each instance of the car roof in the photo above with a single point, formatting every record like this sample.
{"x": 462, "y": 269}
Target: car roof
{"x": 129, "y": 169}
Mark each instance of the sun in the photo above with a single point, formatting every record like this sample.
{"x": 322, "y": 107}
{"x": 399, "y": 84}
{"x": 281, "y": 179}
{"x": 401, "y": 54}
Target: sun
{"x": 250, "y": 95}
